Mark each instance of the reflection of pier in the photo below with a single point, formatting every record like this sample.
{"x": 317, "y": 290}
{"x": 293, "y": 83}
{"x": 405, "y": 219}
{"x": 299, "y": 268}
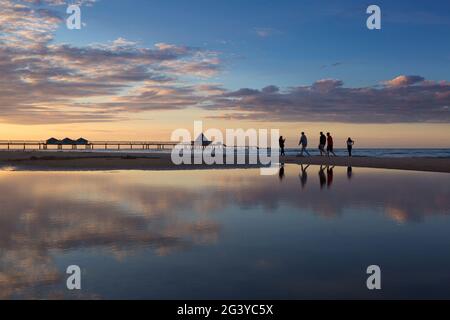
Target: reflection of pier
{"x": 88, "y": 145}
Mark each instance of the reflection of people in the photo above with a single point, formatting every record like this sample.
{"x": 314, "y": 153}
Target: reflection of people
{"x": 281, "y": 172}
{"x": 349, "y": 172}
{"x": 304, "y": 143}
{"x": 330, "y": 145}
{"x": 329, "y": 176}
{"x": 323, "y": 141}
{"x": 304, "y": 176}
{"x": 350, "y": 144}
{"x": 322, "y": 177}
{"x": 281, "y": 142}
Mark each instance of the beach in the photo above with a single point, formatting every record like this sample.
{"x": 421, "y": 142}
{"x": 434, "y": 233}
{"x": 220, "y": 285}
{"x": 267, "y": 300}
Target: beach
{"x": 53, "y": 160}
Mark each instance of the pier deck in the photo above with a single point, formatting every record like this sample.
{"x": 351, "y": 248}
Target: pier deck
{"x": 91, "y": 145}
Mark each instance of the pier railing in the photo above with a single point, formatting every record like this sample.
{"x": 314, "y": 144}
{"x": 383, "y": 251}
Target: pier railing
{"x": 91, "y": 145}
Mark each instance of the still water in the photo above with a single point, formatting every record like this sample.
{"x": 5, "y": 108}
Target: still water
{"x": 211, "y": 234}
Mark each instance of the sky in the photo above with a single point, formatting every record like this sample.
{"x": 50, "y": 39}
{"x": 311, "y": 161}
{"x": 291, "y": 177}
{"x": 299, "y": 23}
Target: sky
{"x": 139, "y": 69}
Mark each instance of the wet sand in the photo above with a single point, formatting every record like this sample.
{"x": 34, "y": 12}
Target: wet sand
{"x": 53, "y": 160}
{"x": 415, "y": 164}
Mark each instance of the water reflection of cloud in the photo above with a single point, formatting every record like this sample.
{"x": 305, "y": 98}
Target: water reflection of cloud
{"x": 42, "y": 213}
{"x": 125, "y": 212}
{"x": 415, "y": 195}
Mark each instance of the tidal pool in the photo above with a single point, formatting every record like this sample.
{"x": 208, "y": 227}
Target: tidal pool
{"x": 306, "y": 233}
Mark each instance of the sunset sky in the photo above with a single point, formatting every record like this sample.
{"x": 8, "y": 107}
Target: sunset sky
{"x": 140, "y": 69}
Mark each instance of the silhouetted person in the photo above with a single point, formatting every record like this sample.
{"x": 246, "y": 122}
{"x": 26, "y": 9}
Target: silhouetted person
{"x": 330, "y": 147}
{"x": 281, "y": 172}
{"x": 322, "y": 143}
{"x": 322, "y": 177}
{"x": 304, "y": 176}
{"x": 350, "y": 144}
{"x": 304, "y": 143}
{"x": 281, "y": 142}
{"x": 349, "y": 172}
{"x": 330, "y": 176}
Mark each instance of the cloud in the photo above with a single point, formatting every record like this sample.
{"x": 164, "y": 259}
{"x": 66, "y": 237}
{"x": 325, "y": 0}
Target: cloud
{"x": 403, "y": 99}
{"x": 61, "y": 2}
{"x": 326, "y": 85}
{"x": 265, "y": 32}
{"x": 43, "y": 81}
{"x": 404, "y": 81}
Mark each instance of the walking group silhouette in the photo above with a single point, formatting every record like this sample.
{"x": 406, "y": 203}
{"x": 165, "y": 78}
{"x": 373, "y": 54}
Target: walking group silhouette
{"x": 325, "y": 141}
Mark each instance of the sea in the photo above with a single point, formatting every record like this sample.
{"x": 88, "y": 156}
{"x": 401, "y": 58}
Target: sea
{"x": 366, "y": 152}
{"x": 357, "y": 152}
{"x": 385, "y": 153}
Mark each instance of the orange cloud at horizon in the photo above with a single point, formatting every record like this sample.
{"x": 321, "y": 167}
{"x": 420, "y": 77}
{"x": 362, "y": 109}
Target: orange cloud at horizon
{"x": 160, "y": 125}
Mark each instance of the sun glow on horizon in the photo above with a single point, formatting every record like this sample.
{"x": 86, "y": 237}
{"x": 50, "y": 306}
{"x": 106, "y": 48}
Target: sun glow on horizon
{"x": 365, "y": 135}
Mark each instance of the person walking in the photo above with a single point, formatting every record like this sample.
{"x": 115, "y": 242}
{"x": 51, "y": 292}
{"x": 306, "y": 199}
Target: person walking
{"x": 281, "y": 142}
{"x": 304, "y": 143}
{"x": 330, "y": 147}
{"x": 323, "y": 141}
{"x": 350, "y": 144}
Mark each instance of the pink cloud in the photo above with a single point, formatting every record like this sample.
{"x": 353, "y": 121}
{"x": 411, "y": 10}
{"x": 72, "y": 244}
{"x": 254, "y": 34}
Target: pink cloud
{"x": 404, "y": 81}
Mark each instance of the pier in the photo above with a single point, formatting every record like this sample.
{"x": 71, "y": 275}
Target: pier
{"x": 90, "y": 145}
